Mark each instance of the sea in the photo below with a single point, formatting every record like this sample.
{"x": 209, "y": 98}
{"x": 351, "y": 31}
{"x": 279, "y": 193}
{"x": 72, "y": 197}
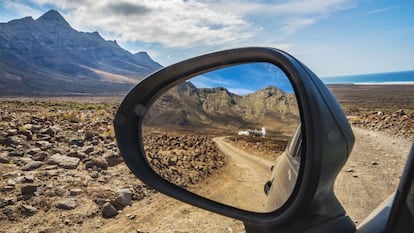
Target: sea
{"x": 401, "y": 77}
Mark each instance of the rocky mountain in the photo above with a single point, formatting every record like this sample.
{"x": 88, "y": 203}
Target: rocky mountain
{"x": 187, "y": 105}
{"x": 47, "y": 56}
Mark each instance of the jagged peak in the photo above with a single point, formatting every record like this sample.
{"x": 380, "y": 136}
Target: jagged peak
{"x": 52, "y": 16}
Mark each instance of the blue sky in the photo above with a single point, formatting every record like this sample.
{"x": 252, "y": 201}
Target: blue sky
{"x": 245, "y": 78}
{"x": 335, "y": 37}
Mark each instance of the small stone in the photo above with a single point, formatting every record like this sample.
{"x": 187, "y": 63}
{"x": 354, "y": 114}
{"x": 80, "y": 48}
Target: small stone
{"x": 28, "y": 210}
{"x": 64, "y": 161}
{"x": 77, "y": 154}
{"x": 53, "y": 172}
{"x": 44, "y": 145}
{"x": 109, "y": 211}
{"x": 374, "y": 163}
{"x": 32, "y": 165}
{"x": 98, "y": 162}
{"x": 94, "y": 174}
{"x": 11, "y": 132}
{"x": 60, "y": 191}
{"x": 33, "y": 151}
{"x": 130, "y": 216}
{"x": 6, "y": 201}
{"x": 88, "y": 150}
{"x": 123, "y": 197}
{"x": 77, "y": 142}
{"x": 349, "y": 170}
{"x": 51, "y": 167}
{"x": 4, "y": 159}
{"x": 11, "y": 141}
{"x": 25, "y": 179}
{"x": 11, "y": 182}
{"x": 40, "y": 156}
{"x": 28, "y": 189}
{"x": 16, "y": 153}
{"x": 75, "y": 192}
{"x": 7, "y": 188}
{"x": 68, "y": 204}
{"x": 89, "y": 135}
{"x": 113, "y": 159}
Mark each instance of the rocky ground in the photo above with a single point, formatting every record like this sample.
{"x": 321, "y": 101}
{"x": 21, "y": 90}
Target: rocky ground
{"x": 397, "y": 123}
{"x": 270, "y": 147}
{"x": 60, "y": 169}
{"x": 60, "y": 160}
{"x": 183, "y": 159}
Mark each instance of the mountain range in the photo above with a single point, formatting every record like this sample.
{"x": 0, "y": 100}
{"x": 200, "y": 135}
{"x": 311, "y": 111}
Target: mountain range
{"x": 185, "y": 105}
{"x": 47, "y": 56}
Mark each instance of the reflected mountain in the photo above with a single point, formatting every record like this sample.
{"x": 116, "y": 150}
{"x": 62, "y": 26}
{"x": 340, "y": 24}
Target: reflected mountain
{"x": 188, "y": 106}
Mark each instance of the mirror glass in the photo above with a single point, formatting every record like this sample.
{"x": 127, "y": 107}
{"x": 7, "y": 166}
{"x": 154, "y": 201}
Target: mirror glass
{"x": 224, "y": 135}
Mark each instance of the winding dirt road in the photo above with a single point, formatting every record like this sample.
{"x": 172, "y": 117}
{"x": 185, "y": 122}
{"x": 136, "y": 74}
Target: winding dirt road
{"x": 240, "y": 181}
{"x": 370, "y": 175}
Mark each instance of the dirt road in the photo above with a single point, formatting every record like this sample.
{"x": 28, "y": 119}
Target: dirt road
{"x": 370, "y": 175}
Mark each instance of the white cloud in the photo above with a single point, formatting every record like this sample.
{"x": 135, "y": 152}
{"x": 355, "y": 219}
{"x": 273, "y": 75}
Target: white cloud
{"x": 208, "y": 25}
{"x": 240, "y": 91}
{"x": 173, "y": 23}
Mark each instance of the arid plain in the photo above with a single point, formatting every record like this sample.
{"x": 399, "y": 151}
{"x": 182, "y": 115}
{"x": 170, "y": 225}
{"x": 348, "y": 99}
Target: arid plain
{"x": 61, "y": 171}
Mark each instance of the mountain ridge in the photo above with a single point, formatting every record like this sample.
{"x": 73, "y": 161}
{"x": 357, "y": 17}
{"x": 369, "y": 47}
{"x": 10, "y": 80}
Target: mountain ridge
{"x": 46, "y": 56}
{"x": 185, "y": 105}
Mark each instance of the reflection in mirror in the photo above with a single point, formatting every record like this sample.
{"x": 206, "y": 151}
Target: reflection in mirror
{"x": 222, "y": 134}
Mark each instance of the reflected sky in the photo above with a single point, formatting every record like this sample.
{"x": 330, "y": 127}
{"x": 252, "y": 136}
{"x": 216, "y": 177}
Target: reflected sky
{"x": 245, "y": 78}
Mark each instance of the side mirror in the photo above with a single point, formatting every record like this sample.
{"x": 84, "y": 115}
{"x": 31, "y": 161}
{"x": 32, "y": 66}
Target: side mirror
{"x": 300, "y": 196}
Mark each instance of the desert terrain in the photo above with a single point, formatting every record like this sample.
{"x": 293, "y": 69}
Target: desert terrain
{"x": 60, "y": 169}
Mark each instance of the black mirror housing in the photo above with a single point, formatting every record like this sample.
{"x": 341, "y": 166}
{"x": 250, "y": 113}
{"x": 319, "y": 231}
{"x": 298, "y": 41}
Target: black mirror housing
{"x": 327, "y": 143}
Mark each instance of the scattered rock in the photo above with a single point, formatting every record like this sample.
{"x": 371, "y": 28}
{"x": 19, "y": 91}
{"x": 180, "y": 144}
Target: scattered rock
{"x": 67, "y": 204}
{"x": 108, "y": 210}
{"x": 97, "y": 162}
{"x": 123, "y": 197}
{"x": 28, "y": 210}
{"x": 32, "y": 165}
{"x": 88, "y": 150}
{"x": 374, "y": 163}
{"x": 40, "y": 156}
{"x": 64, "y": 161}
{"x": 25, "y": 179}
{"x": 396, "y": 123}
{"x": 28, "y": 189}
{"x": 44, "y": 145}
{"x": 33, "y": 151}
{"x": 75, "y": 192}
{"x": 113, "y": 158}
{"x": 77, "y": 154}
{"x": 349, "y": 170}
{"x": 77, "y": 142}
{"x": 130, "y": 216}
{"x": 16, "y": 153}
{"x": 4, "y": 159}
{"x": 94, "y": 174}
